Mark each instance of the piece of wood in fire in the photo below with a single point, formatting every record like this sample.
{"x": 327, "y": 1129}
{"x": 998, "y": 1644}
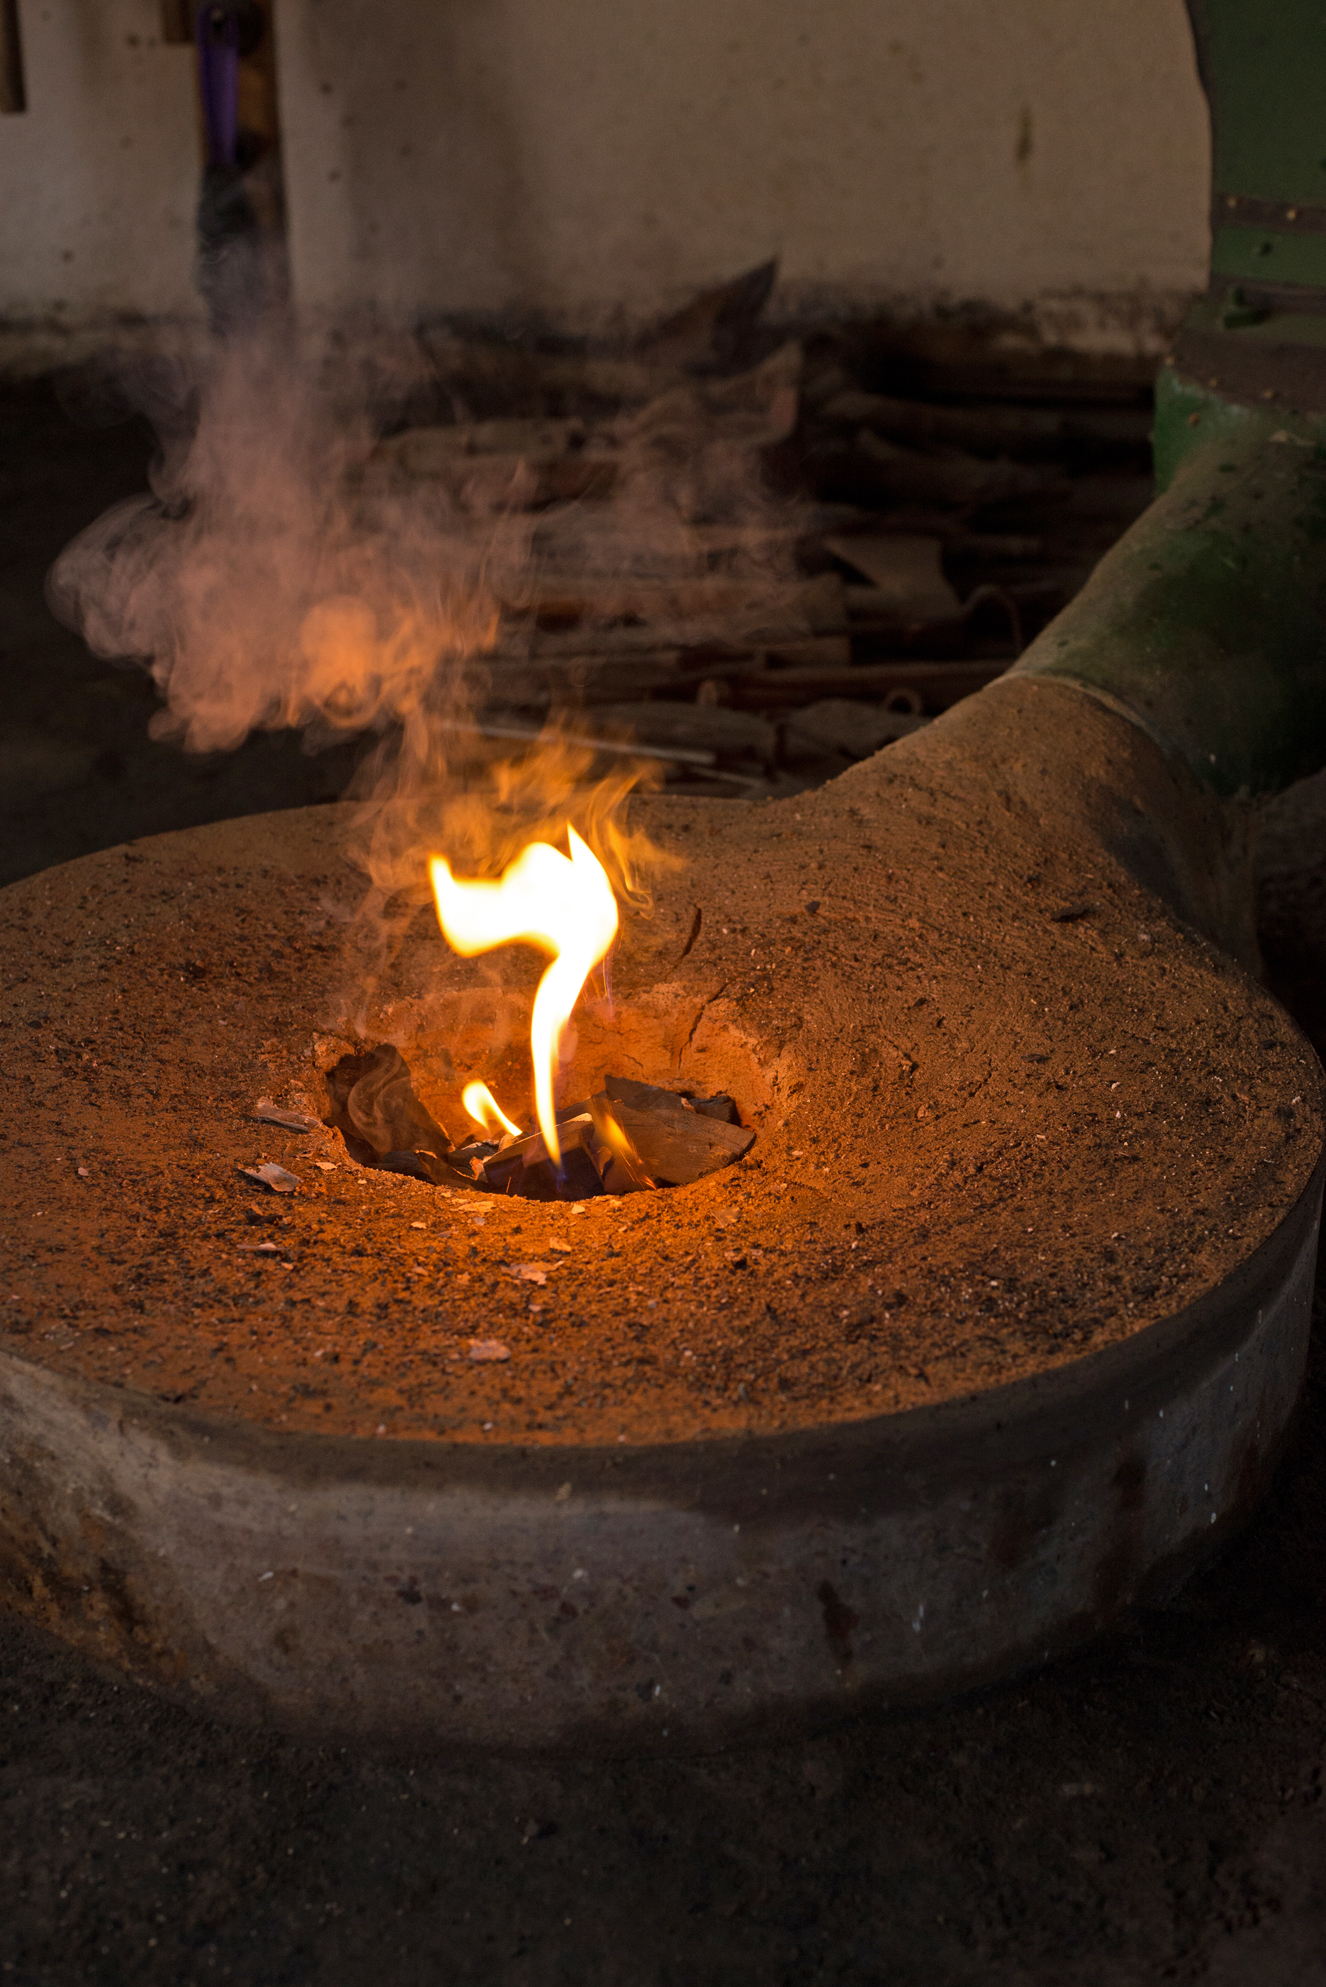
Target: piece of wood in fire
{"x": 523, "y": 1167}
{"x": 653, "y": 1097}
{"x": 676, "y": 1147}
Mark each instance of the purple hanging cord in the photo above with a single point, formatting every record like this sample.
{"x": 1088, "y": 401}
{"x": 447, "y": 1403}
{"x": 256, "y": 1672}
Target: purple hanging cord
{"x": 217, "y": 32}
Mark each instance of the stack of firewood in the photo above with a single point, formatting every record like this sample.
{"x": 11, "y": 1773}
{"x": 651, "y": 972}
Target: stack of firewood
{"x": 756, "y": 558}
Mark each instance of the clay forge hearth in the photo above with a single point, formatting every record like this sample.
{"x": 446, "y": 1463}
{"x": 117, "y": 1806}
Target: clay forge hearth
{"x": 996, "y": 1328}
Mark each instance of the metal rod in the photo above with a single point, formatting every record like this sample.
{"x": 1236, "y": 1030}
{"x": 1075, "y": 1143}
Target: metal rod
{"x": 681, "y": 755}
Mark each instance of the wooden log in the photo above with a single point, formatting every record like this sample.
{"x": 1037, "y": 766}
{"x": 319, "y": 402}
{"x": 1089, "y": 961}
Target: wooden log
{"x": 645, "y": 1096}
{"x": 939, "y": 683}
{"x": 507, "y": 375}
{"x": 844, "y": 724}
{"x": 523, "y": 1167}
{"x": 487, "y": 482}
{"x": 965, "y": 481}
{"x": 995, "y": 359}
{"x": 906, "y": 573}
{"x": 821, "y": 652}
{"x": 991, "y": 428}
{"x": 675, "y": 1147}
{"x": 766, "y": 618}
{"x": 814, "y": 606}
{"x": 434, "y": 450}
{"x": 654, "y": 1097}
{"x": 582, "y": 680}
{"x": 755, "y": 409}
{"x": 712, "y": 728}
{"x": 714, "y": 324}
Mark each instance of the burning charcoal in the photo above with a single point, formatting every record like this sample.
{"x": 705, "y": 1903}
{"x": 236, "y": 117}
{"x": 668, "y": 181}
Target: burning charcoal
{"x": 650, "y": 1097}
{"x": 272, "y": 1114}
{"x": 674, "y": 1147}
{"x": 523, "y": 1167}
{"x": 271, "y": 1175}
{"x": 488, "y": 1348}
{"x": 720, "y": 1106}
{"x": 374, "y": 1107}
{"x": 469, "y": 1158}
{"x": 643, "y": 1096}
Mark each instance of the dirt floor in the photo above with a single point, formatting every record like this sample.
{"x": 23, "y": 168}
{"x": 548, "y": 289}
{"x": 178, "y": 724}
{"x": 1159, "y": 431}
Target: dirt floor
{"x": 1152, "y": 1810}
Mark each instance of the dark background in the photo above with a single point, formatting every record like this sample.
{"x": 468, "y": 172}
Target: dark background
{"x": 1149, "y": 1811}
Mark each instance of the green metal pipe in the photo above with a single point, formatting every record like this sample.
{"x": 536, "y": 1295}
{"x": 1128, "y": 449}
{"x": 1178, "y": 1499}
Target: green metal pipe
{"x": 1206, "y": 623}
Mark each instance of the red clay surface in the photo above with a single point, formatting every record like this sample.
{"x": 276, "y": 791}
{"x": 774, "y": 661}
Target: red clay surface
{"x": 992, "y": 1137}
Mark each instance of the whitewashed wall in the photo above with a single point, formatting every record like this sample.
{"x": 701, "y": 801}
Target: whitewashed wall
{"x": 98, "y": 177}
{"x": 583, "y": 156}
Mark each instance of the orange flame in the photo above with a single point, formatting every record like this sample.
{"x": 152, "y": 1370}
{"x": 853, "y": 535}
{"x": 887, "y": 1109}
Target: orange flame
{"x": 483, "y": 1109}
{"x": 563, "y": 904}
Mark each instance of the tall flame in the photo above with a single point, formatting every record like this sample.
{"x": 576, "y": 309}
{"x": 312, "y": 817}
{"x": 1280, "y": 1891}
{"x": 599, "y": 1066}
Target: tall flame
{"x": 483, "y": 1109}
{"x": 563, "y": 904}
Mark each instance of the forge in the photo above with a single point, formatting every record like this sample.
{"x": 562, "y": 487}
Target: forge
{"x": 993, "y": 1320}
{"x": 997, "y": 1327}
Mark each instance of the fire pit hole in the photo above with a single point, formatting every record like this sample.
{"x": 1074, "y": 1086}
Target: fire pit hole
{"x": 625, "y": 1137}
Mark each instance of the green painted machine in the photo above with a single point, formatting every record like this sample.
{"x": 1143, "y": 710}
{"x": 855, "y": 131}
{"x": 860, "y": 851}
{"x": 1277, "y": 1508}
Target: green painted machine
{"x": 1207, "y": 622}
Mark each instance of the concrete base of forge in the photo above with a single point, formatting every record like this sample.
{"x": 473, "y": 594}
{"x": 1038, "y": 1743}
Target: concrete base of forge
{"x": 629, "y": 1600}
{"x": 1020, "y": 1361}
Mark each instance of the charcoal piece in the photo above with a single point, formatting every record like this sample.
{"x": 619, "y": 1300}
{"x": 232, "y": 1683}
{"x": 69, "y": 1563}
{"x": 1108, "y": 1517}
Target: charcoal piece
{"x": 621, "y": 1176}
{"x": 677, "y": 1147}
{"x": 422, "y": 1166}
{"x": 644, "y": 1096}
{"x": 652, "y": 1097}
{"x": 469, "y": 1158}
{"x": 374, "y": 1107}
{"x": 524, "y": 1168}
{"x": 720, "y": 1106}
{"x": 579, "y": 1178}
